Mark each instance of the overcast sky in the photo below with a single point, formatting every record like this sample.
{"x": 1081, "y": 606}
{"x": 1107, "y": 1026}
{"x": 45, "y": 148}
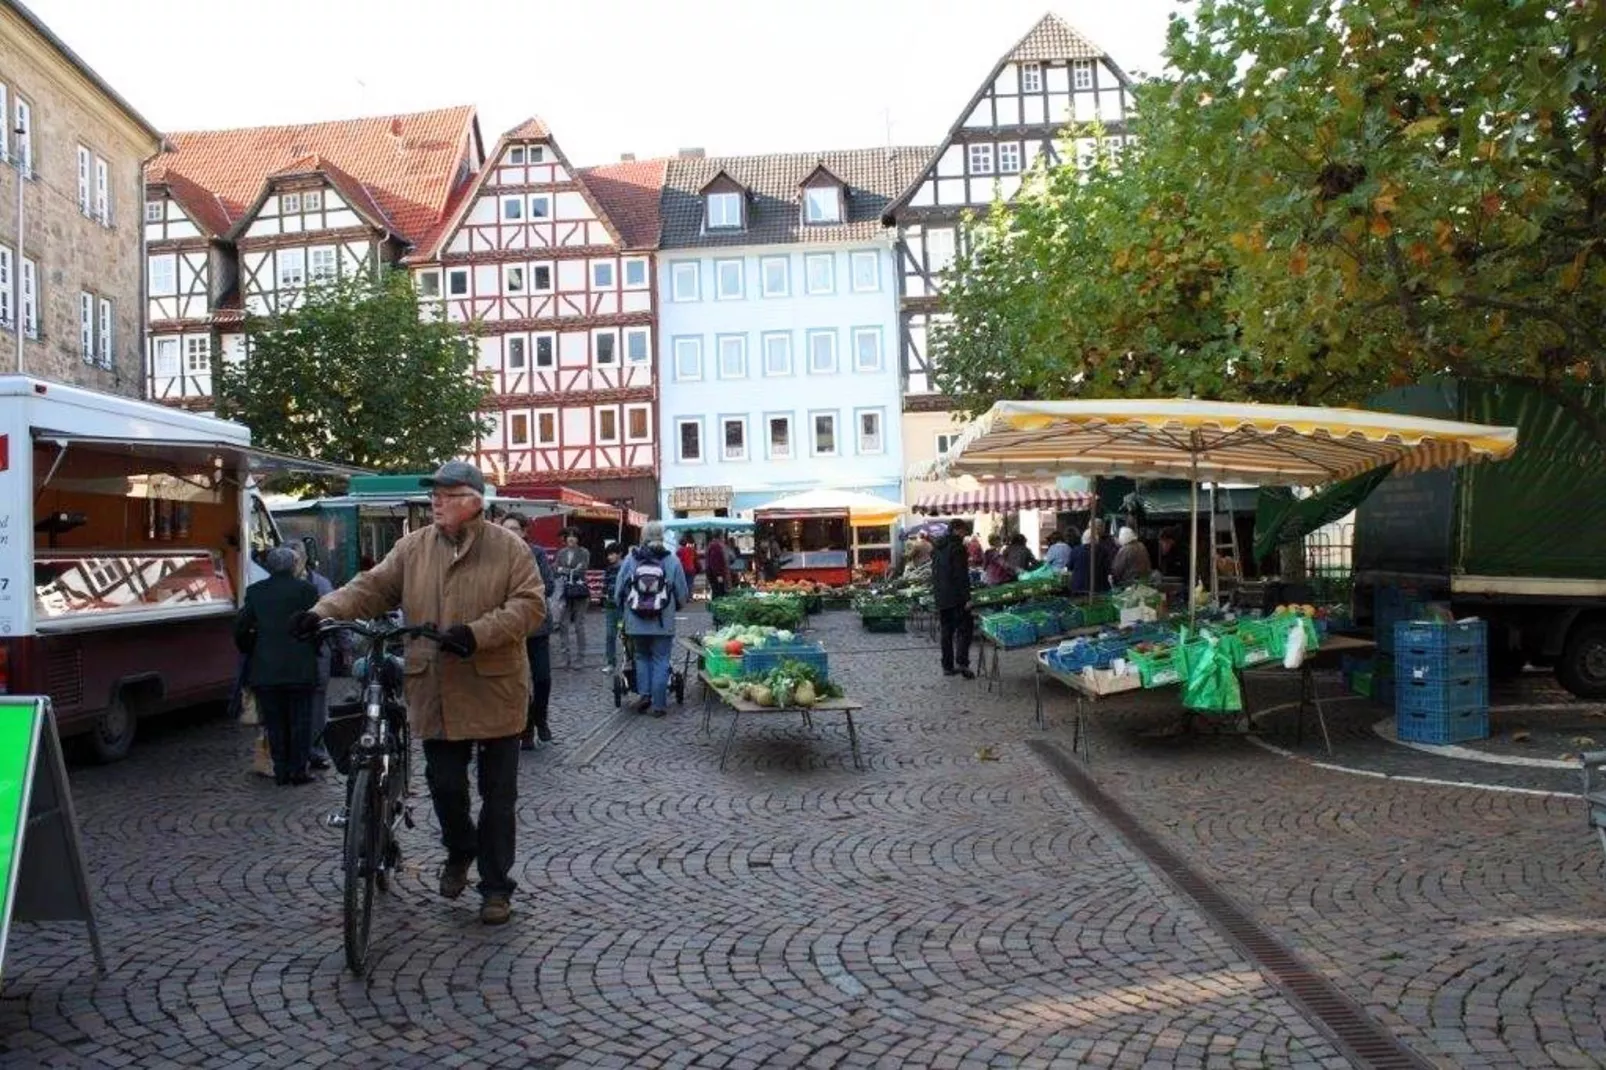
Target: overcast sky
{"x": 610, "y": 76}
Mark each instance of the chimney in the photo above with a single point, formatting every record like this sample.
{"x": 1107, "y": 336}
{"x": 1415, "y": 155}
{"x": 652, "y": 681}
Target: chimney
{"x": 395, "y": 128}
{"x": 627, "y": 157}
{"x": 692, "y": 154}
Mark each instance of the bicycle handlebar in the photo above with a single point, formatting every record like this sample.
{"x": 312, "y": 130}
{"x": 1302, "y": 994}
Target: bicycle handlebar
{"x": 381, "y": 631}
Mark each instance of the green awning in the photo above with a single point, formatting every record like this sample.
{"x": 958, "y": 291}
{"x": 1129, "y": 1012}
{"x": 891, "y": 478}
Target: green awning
{"x": 1280, "y": 517}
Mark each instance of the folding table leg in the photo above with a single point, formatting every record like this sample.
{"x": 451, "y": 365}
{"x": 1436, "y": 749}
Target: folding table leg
{"x": 853, "y": 740}
{"x": 1037, "y": 692}
{"x": 1321, "y": 715}
{"x": 730, "y": 737}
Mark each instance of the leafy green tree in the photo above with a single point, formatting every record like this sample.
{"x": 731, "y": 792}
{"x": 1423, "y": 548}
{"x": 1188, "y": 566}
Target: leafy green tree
{"x": 1368, "y": 191}
{"x": 356, "y": 375}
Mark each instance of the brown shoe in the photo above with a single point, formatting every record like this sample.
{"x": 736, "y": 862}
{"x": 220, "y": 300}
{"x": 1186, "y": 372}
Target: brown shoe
{"x": 495, "y": 910}
{"x": 454, "y": 878}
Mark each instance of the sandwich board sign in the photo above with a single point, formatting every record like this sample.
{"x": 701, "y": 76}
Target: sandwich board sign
{"x": 42, "y": 875}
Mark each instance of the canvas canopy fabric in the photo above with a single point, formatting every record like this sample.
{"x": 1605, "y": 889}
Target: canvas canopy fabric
{"x": 1269, "y": 445}
{"x": 708, "y": 523}
{"x": 861, "y": 508}
{"x": 1000, "y": 498}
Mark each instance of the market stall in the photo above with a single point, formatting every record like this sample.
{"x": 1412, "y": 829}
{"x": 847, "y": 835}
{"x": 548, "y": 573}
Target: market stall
{"x": 1001, "y": 497}
{"x": 825, "y": 536}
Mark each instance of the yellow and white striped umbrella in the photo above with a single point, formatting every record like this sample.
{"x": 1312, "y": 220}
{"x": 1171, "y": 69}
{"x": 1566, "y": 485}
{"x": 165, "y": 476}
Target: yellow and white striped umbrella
{"x": 1208, "y": 441}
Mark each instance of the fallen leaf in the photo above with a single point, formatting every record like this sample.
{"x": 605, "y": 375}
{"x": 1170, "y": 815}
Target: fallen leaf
{"x": 986, "y": 754}
{"x": 1582, "y": 742}
{"x": 1521, "y": 736}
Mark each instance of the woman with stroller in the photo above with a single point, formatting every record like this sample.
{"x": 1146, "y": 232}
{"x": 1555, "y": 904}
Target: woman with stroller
{"x": 650, "y": 588}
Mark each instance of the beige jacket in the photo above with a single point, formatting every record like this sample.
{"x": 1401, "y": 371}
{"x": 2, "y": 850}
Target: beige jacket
{"x": 485, "y": 579}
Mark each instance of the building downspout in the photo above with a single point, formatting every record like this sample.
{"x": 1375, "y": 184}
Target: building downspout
{"x": 16, "y": 267}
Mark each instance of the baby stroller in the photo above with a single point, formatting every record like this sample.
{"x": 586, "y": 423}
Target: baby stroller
{"x": 624, "y": 681}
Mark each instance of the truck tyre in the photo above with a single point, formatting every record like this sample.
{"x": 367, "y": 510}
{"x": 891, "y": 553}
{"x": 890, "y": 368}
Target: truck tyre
{"x": 1582, "y": 669}
{"x": 113, "y": 734}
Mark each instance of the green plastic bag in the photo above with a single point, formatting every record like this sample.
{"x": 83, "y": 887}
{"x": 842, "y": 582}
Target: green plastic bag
{"x": 1212, "y": 686}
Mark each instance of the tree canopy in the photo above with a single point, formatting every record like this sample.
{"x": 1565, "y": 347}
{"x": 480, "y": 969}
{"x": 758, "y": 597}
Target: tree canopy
{"x": 355, "y": 375}
{"x": 1325, "y": 198}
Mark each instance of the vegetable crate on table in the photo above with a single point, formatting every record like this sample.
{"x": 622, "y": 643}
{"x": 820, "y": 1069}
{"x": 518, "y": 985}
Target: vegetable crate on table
{"x": 762, "y": 661}
{"x": 1008, "y": 630}
{"x": 885, "y": 625}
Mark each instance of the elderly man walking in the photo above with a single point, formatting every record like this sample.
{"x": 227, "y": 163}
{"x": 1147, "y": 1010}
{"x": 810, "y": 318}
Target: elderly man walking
{"x": 467, "y": 698}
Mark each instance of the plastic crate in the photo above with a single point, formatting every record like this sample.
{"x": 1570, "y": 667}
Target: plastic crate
{"x": 1160, "y": 669}
{"x": 1100, "y": 613}
{"x": 762, "y": 661}
{"x": 722, "y": 666}
{"x": 885, "y": 625}
{"x": 1436, "y": 651}
{"x": 1279, "y": 628}
{"x": 1440, "y": 696}
{"x": 813, "y": 603}
{"x": 1008, "y": 630}
{"x": 1391, "y": 605}
{"x": 1259, "y": 641}
{"x": 1455, "y": 726}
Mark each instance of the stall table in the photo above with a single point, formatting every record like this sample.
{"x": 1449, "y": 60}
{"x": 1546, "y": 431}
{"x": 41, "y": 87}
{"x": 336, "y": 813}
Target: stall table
{"x": 1326, "y": 656}
{"x": 738, "y": 706}
{"x": 987, "y": 667}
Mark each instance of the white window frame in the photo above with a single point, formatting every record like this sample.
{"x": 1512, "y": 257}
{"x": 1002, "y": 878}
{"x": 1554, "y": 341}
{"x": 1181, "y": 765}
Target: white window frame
{"x": 197, "y": 354}
{"x": 810, "y": 337}
{"x": 86, "y": 163}
{"x": 766, "y": 343}
{"x": 632, "y": 333}
{"x": 289, "y": 204}
{"x": 515, "y": 156}
{"x": 764, "y": 265}
{"x": 540, "y": 206}
{"x": 8, "y": 267}
{"x": 881, "y": 432}
{"x": 739, "y": 344}
{"x": 1010, "y": 158}
{"x": 23, "y": 128}
{"x": 514, "y": 439}
{"x": 818, "y": 198}
{"x": 725, "y": 200}
{"x": 856, "y": 261}
{"x": 511, "y": 209}
{"x": 313, "y": 275}
{"x": 596, "y": 423}
{"x": 312, "y": 200}
{"x": 612, "y": 269}
{"x": 153, "y": 211}
{"x": 164, "y": 285}
{"x": 681, "y": 423}
{"x": 880, "y": 354}
{"x": 810, "y": 260}
{"x": 682, "y": 348}
{"x": 537, "y": 361}
{"x": 434, "y": 275}
{"x": 1079, "y": 69}
{"x": 814, "y": 433}
{"x": 770, "y": 419}
{"x": 515, "y": 273}
{"x": 725, "y": 453}
{"x": 628, "y": 411}
{"x": 5, "y": 125}
{"x": 296, "y": 257}
{"x": 551, "y": 416}
{"x": 535, "y": 154}
{"x": 103, "y": 192}
{"x": 521, "y": 361}
{"x": 468, "y": 285}
{"x": 105, "y": 341}
{"x": 945, "y": 440}
{"x": 597, "y": 336}
{"x": 167, "y": 350}
{"x": 535, "y": 278}
{"x": 635, "y": 262}
{"x": 1031, "y": 77}
{"x": 86, "y": 326}
{"x": 683, "y": 272}
{"x": 720, "y": 268}
{"x": 30, "y": 298}
{"x": 980, "y": 158}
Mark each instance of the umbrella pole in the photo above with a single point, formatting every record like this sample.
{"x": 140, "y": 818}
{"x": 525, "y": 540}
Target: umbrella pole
{"x": 1215, "y": 566}
{"x": 1193, "y": 533}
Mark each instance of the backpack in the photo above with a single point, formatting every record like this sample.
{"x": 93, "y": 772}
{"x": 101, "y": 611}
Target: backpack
{"x": 649, "y": 592}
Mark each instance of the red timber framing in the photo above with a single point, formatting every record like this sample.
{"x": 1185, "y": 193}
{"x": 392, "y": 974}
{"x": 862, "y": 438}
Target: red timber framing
{"x": 554, "y": 267}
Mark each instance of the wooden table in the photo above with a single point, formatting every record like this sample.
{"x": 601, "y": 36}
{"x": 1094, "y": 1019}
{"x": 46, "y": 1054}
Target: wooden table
{"x": 1326, "y": 656}
{"x": 738, "y": 706}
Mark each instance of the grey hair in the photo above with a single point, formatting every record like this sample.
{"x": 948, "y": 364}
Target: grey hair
{"x": 280, "y": 561}
{"x": 653, "y": 533}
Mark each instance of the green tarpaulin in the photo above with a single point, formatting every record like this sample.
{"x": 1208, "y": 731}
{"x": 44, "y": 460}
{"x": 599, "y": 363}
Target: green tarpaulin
{"x": 1280, "y": 517}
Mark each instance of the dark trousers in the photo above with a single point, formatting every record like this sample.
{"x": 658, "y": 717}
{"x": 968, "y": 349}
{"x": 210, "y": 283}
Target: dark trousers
{"x": 286, "y": 714}
{"x": 717, "y": 586}
{"x": 491, "y": 842}
{"x": 539, "y": 650}
{"x": 957, "y": 625}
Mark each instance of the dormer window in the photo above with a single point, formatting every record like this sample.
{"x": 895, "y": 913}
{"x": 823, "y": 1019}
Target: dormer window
{"x": 312, "y": 201}
{"x": 724, "y": 211}
{"x": 822, "y": 204}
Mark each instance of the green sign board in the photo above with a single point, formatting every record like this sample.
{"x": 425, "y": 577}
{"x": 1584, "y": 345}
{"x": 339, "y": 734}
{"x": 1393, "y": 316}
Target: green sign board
{"x": 19, "y": 740}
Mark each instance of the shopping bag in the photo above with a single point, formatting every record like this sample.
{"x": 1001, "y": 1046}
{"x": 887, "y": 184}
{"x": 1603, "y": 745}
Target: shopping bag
{"x": 249, "y": 714}
{"x": 1294, "y": 656}
{"x": 261, "y": 756}
{"x": 1212, "y": 685}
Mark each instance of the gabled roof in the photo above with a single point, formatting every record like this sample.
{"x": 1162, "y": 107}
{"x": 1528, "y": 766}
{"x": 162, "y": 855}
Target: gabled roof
{"x": 532, "y": 129}
{"x": 202, "y": 206}
{"x": 872, "y": 176}
{"x": 629, "y": 192}
{"x": 1051, "y": 39}
{"x": 809, "y": 178}
{"x": 716, "y": 176}
{"x": 48, "y": 35}
{"x": 407, "y": 165}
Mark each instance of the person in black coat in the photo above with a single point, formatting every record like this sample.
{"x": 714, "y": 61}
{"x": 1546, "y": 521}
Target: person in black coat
{"x": 282, "y": 670}
{"x": 950, "y": 588}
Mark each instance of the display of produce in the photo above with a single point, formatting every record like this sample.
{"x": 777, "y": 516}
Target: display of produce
{"x": 775, "y": 611}
{"x": 791, "y": 683}
{"x": 1006, "y": 593}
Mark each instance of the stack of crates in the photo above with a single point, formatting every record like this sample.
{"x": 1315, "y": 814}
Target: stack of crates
{"x": 1441, "y": 686}
{"x": 1390, "y": 605}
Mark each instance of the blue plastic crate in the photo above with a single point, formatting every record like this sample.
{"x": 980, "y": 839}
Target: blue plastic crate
{"x": 1440, "y": 696}
{"x": 1008, "y": 631}
{"x": 1429, "y": 651}
{"x": 760, "y": 662}
{"x": 1456, "y": 726}
{"x": 1389, "y": 606}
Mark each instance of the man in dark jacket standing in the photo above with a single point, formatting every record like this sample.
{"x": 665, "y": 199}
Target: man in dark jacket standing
{"x": 950, "y": 585}
{"x": 282, "y": 670}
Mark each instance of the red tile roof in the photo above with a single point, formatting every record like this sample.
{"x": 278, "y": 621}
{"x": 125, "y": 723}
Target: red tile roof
{"x": 629, "y": 193}
{"x": 202, "y": 206}
{"x": 530, "y": 129}
{"x": 408, "y": 163}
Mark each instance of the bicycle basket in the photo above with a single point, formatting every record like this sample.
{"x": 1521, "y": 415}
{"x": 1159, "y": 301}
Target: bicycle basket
{"x": 344, "y": 728}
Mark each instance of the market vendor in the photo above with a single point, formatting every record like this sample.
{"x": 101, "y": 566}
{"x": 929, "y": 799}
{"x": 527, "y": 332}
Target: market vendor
{"x": 1173, "y": 560}
{"x": 1131, "y": 564}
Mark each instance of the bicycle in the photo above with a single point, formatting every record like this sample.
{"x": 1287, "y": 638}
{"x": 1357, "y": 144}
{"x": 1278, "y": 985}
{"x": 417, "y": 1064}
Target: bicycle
{"x": 373, "y": 749}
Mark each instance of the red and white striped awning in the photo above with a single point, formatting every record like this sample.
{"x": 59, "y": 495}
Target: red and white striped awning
{"x": 1001, "y": 498}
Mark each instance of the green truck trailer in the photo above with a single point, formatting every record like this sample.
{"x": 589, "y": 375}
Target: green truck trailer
{"x": 1521, "y": 543}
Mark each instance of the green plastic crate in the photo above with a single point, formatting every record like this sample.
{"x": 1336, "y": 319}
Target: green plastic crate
{"x": 885, "y": 625}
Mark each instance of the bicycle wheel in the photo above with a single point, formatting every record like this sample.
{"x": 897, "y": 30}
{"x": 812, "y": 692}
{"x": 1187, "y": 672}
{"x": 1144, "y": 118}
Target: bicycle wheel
{"x": 362, "y": 855}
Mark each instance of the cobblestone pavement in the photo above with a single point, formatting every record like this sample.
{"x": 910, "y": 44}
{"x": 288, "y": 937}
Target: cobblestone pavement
{"x": 952, "y": 905}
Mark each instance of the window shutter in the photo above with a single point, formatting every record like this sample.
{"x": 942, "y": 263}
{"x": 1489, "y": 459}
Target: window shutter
{"x": 5, "y": 127}
{"x": 30, "y": 298}
{"x": 83, "y": 180}
{"x": 5, "y": 284}
{"x": 86, "y": 326}
{"x": 105, "y": 333}
{"x": 103, "y": 192}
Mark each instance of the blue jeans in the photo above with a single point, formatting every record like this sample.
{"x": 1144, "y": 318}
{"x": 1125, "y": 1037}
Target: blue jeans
{"x": 652, "y": 667}
{"x": 610, "y": 635}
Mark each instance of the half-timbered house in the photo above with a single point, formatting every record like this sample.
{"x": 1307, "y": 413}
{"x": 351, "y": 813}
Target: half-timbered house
{"x": 553, "y": 264}
{"x": 1038, "y": 102}
{"x": 243, "y": 221}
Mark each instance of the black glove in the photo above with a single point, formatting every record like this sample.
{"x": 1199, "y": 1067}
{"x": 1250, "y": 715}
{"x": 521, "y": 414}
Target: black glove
{"x": 304, "y": 625}
{"x": 459, "y": 640}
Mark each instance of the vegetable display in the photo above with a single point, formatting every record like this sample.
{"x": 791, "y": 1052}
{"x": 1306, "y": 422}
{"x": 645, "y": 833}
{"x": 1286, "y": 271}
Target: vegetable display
{"x": 791, "y": 683}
